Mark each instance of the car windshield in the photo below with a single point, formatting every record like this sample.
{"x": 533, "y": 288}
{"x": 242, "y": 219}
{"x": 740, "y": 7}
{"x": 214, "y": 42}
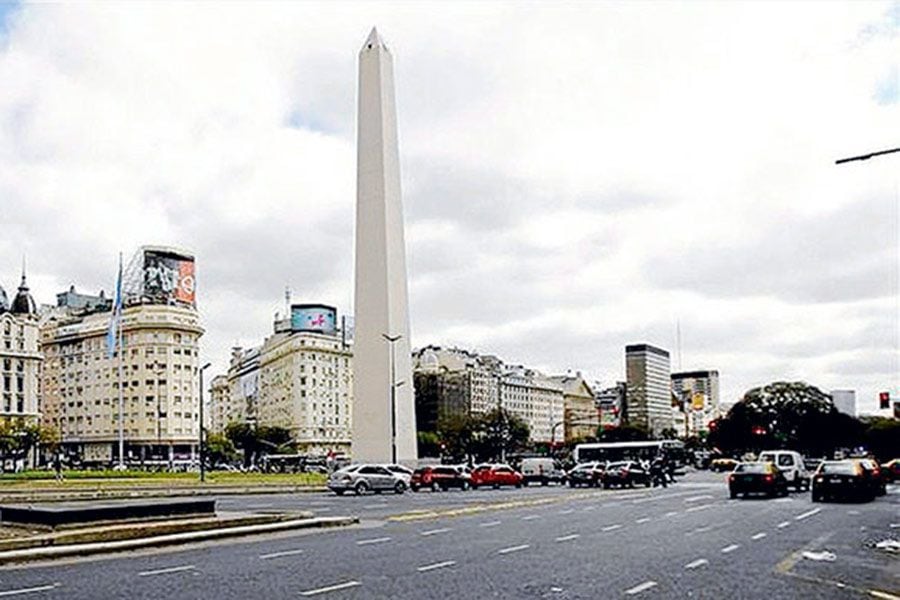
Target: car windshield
{"x": 752, "y": 468}
{"x": 842, "y": 468}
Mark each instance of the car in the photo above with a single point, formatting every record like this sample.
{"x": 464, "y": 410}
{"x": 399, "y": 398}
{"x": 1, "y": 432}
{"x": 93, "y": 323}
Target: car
{"x": 891, "y": 470}
{"x": 841, "y": 479}
{"x": 439, "y": 478}
{"x": 404, "y": 473}
{"x": 496, "y": 475}
{"x": 722, "y": 464}
{"x": 877, "y": 477}
{"x": 542, "y": 470}
{"x": 364, "y": 478}
{"x": 625, "y": 473}
{"x": 790, "y": 463}
{"x": 588, "y": 474}
{"x": 757, "y": 478}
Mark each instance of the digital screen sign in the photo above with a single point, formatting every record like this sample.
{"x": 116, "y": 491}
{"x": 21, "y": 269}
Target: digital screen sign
{"x": 168, "y": 277}
{"x": 313, "y": 317}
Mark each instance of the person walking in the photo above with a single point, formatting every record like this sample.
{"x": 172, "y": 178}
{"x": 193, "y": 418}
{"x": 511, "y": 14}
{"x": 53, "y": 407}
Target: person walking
{"x": 57, "y": 466}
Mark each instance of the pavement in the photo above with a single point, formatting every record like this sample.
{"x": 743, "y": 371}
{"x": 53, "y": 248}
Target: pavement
{"x": 685, "y": 541}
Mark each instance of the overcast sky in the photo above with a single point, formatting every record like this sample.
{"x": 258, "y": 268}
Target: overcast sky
{"x": 575, "y": 177}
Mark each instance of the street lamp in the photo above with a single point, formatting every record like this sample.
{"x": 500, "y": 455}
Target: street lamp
{"x": 392, "y": 339}
{"x": 202, "y": 431}
{"x": 158, "y": 369}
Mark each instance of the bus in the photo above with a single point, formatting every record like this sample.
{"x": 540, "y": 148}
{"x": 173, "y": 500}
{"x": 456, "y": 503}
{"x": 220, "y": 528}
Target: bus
{"x": 616, "y": 451}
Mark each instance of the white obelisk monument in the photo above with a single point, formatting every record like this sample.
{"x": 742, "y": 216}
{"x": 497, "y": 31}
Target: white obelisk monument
{"x": 384, "y": 414}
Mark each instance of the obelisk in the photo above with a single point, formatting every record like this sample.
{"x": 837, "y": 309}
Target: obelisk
{"x": 384, "y": 419}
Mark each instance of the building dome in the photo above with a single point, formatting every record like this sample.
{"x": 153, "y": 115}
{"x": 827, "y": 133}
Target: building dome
{"x": 23, "y": 303}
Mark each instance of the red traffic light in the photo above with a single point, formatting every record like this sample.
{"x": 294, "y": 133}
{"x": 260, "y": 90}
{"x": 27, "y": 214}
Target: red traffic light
{"x": 884, "y": 400}
{"x": 759, "y": 430}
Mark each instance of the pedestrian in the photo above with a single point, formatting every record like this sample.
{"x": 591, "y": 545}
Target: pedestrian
{"x": 57, "y": 466}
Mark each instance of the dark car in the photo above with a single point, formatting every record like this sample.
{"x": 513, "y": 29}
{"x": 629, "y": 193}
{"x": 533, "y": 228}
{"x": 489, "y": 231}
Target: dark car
{"x": 841, "y": 479}
{"x": 877, "y": 476}
{"x": 627, "y": 473}
{"x": 891, "y": 470}
{"x": 757, "y": 478}
{"x": 439, "y": 478}
{"x": 495, "y": 476}
{"x": 586, "y": 474}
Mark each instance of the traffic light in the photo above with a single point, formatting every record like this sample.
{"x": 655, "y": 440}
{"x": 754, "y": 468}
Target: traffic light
{"x": 884, "y": 400}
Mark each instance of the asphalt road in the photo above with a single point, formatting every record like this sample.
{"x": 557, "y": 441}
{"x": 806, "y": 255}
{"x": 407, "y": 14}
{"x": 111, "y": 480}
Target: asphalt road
{"x": 686, "y": 541}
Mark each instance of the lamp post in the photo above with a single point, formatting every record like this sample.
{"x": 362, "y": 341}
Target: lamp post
{"x": 158, "y": 369}
{"x": 202, "y": 443}
{"x": 392, "y": 339}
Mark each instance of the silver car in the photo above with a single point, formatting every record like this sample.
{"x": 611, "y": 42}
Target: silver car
{"x": 365, "y": 478}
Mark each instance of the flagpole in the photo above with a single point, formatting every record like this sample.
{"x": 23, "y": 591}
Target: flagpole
{"x": 121, "y": 358}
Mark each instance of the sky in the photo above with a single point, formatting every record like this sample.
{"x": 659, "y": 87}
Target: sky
{"x": 576, "y": 177}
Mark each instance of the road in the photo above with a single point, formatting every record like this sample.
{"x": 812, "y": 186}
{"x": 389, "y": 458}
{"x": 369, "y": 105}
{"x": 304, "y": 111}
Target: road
{"x": 688, "y": 541}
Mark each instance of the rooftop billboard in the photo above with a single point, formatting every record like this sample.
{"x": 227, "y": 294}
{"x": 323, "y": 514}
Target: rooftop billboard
{"x": 168, "y": 277}
{"x": 314, "y": 317}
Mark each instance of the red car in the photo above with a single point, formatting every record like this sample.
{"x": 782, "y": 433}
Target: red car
{"x": 891, "y": 470}
{"x": 495, "y": 476}
{"x": 439, "y": 478}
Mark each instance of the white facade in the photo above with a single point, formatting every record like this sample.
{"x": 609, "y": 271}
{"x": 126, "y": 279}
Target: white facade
{"x": 299, "y": 380}
{"x": 381, "y": 296}
{"x": 20, "y": 366}
{"x": 844, "y": 401}
{"x": 160, "y": 382}
{"x": 698, "y": 392}
{"x": 649, "y": 387}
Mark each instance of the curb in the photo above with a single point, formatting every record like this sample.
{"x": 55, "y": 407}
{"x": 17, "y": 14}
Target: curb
{"x": 50, "y": 552}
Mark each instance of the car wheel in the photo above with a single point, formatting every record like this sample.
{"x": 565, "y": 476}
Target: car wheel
{"x": 571, "y": 483}
{"x": 732, "y": 494}
{"x": 518, "y": 484}
{"x": 339, "y": 492}
{"x": 361, "y": 488}
{"x": 474, "y": 486}
{"x": 545, "y": 482}
{"x": 525, "y": 483}
{"x": 414, "y": 488}
{"x": 816, "y": 497}
{"x": 435, "y": 487}
{"x": 496, "y": 486}
{"x": 399, "y": 487}
{"x": 465, "y": 486}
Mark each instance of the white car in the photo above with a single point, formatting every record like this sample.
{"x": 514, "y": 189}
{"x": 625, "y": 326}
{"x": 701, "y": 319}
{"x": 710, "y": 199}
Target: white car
{"x": 404, "y": 473}
{"x": 791, "y": 464}
{"x": 361, "y": 479}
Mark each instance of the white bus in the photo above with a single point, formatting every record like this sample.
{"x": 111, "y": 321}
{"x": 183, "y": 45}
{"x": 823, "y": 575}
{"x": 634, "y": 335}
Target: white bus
{"x": 617, "y": 451}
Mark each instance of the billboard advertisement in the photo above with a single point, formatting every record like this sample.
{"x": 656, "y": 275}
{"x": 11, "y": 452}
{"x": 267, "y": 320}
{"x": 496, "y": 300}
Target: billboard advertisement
{"x": 314, "y": 317}
{"x": 168, "y": 277}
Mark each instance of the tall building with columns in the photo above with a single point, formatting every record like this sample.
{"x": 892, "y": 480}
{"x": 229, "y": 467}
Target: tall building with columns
{"x": 20, "y": 356}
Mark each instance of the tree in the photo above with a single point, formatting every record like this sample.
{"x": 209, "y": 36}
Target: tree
{"x": 882, "y": 437}
{"x": 498, "y": 433}
{"x": 669, "y": 433}
{"x": 219, "y": 449}
{"x": 429, "y": 443}
{"x": 455, "y": 435}
{"x": 254, "y": 441}
{"x": 792, "y": 415}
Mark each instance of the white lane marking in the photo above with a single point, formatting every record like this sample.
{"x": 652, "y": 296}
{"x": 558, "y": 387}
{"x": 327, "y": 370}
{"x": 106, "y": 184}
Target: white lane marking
{"x": 697, "y": 563}
{"x": 643, "y": 520}
{"x": 641, "y": 588}
{"x": 731, "y": 548}
{"x": 282, "y": 553}
{"x": 612, "y": 527}
{"x": 168, "y": 570}
{"x": 567, "y": 511}
{"x": 490, "y": 524}
{"x": 758, "y": 536}
{"x": 331, "y": 588}
{"x": 436, "y": 531}
{"x": 513, "y": 549}
{"x": 703, "y": 529}
{"x": 783, "y": 500}
{"x": 440, "y": 565}
{"x": 531, "y": 517}
{"x": 852, "y": 512}
{"x": 587, "y": 508}
{"x": 783, "y": 524}
{"x": 696, "y": 498}
{"x": 671, "y": 513}
{"x": 40, "y": 588}
{"x": 807, "y": 514}
{"x": 696, "y": 508}
{"x": 566, "y": 538}
{"x": 373, "y": 541}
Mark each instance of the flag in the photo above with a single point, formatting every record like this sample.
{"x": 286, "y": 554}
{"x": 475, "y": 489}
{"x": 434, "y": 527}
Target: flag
{"x": 116, "y": 316}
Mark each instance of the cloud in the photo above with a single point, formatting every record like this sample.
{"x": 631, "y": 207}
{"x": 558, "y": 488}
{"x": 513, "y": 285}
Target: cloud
{"x": 574, "y": 180}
